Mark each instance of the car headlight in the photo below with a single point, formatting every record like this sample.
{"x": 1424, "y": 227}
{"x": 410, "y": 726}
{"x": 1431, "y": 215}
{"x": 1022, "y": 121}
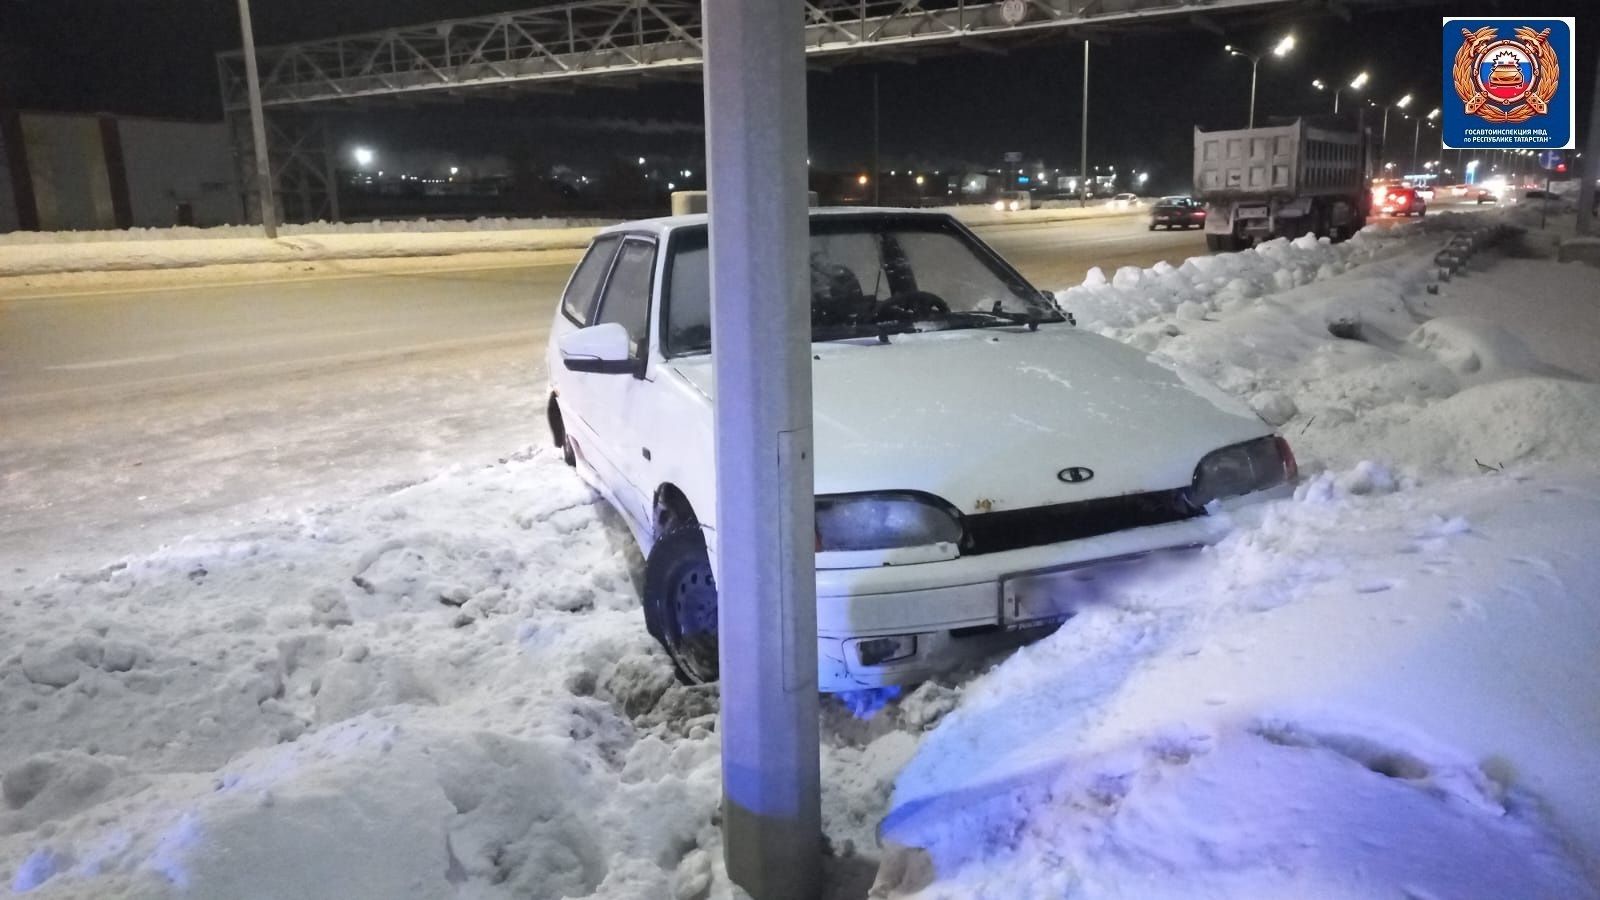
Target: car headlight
{"x": 884, "y": 521}
{"x": 1242, "y": 469}
{"x": 1000, "y": 205}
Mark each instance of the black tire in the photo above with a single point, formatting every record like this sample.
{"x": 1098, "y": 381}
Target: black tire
{"x": 680, "y": 591}
{"x": 558, "y": 432}
{"x": 1152, "y": 226}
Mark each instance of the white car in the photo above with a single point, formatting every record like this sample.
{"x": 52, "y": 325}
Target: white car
{"x": 976, "y": 454}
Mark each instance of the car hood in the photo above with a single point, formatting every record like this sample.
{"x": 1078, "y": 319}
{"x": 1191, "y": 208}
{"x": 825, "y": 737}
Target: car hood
{"x": 986, "y": 419}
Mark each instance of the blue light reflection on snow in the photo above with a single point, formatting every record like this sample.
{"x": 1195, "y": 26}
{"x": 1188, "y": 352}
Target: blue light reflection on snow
{"x": 40, "y": 866}
{"x": 169, "y": 857}
{"x": 865, "y": 703}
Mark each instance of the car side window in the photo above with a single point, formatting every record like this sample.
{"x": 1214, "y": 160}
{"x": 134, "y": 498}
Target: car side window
{"x": 584, "y": 288}
{"x": 627, "y": 293}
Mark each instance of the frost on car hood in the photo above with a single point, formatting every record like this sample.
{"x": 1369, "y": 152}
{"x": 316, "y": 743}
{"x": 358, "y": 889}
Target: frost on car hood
{"x": 987, "y": 418}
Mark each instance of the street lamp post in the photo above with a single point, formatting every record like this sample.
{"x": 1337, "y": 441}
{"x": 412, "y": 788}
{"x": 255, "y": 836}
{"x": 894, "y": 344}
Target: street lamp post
{"x": 258, "y": 127}
{"x": 1383, "y": 142}
{"x": 1416, "y": 136}
{"x": 1281, "y": 49}
{"x": 1356, "y": 84}
{"x": 1083, "y": 141}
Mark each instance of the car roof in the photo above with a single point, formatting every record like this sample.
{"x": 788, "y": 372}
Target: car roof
{"x": 662, "y": 225}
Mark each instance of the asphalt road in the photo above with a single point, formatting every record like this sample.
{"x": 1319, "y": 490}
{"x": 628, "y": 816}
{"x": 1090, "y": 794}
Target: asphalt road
{"x": 75, "y": 345}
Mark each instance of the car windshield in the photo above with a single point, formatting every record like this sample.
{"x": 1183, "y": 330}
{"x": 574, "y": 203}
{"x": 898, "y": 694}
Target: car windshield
{"x": 870, "y": 275}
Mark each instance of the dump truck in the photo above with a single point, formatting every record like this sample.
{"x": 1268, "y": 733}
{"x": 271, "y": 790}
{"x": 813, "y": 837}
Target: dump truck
{"x": 1283, "y": 180}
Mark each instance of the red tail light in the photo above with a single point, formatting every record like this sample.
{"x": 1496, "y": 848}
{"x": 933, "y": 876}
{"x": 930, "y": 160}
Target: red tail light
{"x": 1291, "y": 469}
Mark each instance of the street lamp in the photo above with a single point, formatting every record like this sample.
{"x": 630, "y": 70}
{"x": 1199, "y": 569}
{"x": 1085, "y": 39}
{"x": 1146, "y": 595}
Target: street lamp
{"x": 1402, "y": 103}
{"x": 363, "y": 156}
{"x": 1280, "y": 49}
{"x": 1416, "y": 136}
{"x": 1356, "y": 84}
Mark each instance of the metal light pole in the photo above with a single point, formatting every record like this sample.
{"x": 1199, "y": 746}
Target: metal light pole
{"x": 1383, "y": 142}
{"x": 258, "y": 126}
{"x": 1356, "y": 84}
{"x": 1282, "y": 48}
{"x": 1416, "y": 137}
{"x": 1255, "y": 63}
{"x": 755, "y": 101}
{"x": 1083, "y": 141}
{"x": 877, "y": 170}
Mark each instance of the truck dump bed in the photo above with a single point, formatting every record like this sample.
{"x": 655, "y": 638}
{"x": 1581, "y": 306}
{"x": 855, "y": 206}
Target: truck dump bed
{"x": 1294, "y": 160}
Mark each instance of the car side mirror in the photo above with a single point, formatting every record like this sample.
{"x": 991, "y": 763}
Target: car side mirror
{"x": 600, "y": 349}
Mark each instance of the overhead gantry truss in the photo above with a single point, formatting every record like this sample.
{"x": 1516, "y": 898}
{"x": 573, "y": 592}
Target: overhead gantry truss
{"x": 591, "y": 40}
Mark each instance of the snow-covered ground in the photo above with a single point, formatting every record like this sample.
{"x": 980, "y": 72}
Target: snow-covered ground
{"x": 439, "y": 685}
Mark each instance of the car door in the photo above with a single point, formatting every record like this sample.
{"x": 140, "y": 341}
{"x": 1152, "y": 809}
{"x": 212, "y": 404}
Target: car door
{"x": 577, "y": 311}
{"x": 609, "y": 398}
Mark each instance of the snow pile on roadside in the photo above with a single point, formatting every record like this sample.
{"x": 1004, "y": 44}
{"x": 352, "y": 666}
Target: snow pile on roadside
{"x": 1381, "y": 687}
{"x": 1369, "y": 690}
{"x": 1369, "y": 359}
{"x": 91, "y": 256}
{"x": 444, "y": 689}
{"x": 309, "y": 229}
{"x": 1206, "y": 284}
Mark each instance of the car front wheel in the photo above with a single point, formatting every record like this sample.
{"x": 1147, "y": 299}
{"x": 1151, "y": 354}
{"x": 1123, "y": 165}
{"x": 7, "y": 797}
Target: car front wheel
{"x": 681, "y": 590}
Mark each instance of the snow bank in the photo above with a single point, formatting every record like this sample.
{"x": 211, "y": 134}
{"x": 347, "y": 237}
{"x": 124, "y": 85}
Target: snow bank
{"x": 1381, "y": 687}
{"x": 42, "y": 258}
{"x": 443, "y": 689}
{"x": 310, "y": 229}
{"x": 1368, "y": 689}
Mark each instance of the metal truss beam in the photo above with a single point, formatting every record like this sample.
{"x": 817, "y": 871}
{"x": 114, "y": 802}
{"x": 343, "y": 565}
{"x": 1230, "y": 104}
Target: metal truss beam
{"x": 610, "y": 39}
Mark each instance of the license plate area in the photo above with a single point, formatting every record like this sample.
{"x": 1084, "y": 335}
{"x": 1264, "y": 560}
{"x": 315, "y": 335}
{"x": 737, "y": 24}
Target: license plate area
{"x": 1054, "y": 595}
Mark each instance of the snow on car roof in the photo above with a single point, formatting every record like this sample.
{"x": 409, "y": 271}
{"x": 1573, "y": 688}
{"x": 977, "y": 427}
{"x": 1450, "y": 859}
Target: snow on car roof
{"x": 663, "y": 224}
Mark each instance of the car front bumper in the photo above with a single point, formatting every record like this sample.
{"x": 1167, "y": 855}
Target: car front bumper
{"x": 964, "y": 609}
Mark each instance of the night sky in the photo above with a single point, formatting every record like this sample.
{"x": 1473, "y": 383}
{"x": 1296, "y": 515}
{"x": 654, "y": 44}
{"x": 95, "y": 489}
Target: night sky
{"x": 155, "y": 57}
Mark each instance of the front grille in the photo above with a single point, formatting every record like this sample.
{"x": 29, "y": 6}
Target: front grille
{"x": 1014, "y": 529}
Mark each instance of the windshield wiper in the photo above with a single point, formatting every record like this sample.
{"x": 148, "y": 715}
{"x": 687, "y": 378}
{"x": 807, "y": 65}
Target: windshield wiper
{"x": 978, "y": 318}
{"x": 848, "y": 331}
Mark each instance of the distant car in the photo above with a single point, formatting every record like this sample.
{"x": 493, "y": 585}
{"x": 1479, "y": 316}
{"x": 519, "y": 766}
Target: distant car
{"x": 1398, "y": 200}
{"x": 1177, "y": 212}
{"x": 1425, "y": 191}
{"x": 976, "y": 456}
{"x": 1125, "y": 201}
{"x": 1013, "y": 201}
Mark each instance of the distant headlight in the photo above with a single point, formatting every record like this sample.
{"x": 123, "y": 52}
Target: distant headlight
{"x": 1243, "y": 468}
{"x": 884, "y": 521}
{"x": 1000, "y": 205}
